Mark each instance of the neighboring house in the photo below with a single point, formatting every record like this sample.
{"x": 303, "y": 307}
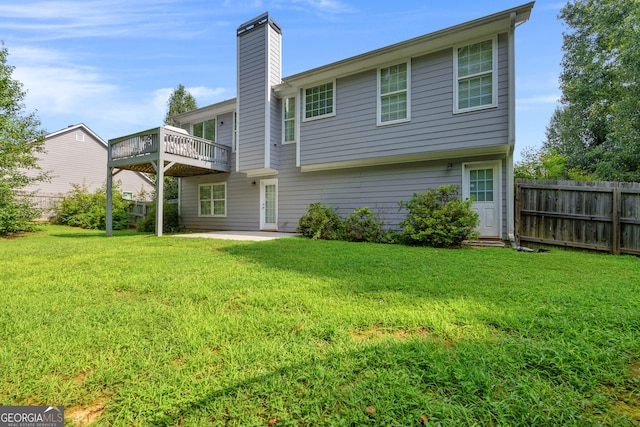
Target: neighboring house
{"x": 370, "y": 130}
{"x": 76, "y": 155}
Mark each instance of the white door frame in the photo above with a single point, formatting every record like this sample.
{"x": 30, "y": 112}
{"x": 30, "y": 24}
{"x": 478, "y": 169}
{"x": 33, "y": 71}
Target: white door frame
{"x": 263, "y": 224}
{"x": 497, "y": 186}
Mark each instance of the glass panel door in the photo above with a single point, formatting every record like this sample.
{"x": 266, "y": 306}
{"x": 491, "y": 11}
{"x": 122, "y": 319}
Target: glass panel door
{"x": 269, "y": 204}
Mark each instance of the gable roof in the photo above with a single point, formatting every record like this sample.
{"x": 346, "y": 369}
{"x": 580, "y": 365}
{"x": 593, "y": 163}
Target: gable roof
{"x": 75, "y": 127}
{"x": 432, "y": 42}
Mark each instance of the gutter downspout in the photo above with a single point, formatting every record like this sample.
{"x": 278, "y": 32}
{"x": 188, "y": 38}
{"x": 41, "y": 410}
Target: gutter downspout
{"x": 511, "y": 131}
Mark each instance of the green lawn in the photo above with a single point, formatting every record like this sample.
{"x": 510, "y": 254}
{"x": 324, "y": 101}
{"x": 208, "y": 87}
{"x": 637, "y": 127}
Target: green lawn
{"x": 136, "y": 330}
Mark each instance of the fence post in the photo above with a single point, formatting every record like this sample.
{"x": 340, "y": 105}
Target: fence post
{"x": 518, "y": 208}
{"x": 615, "y": 220}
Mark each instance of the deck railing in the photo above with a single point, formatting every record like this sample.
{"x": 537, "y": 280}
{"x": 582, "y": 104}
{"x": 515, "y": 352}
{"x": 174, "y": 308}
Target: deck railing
{"x": 170, "y": 142}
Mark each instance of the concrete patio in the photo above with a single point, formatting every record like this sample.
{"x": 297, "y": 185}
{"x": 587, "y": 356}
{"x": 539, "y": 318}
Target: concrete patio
{"x": 255, "y": 236}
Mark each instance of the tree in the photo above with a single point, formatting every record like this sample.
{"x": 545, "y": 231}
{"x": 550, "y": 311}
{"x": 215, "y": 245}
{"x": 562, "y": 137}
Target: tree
{"x": 596, "y": 129}
{"x": 180, "y": 101}
{"x": 20, "y": 141}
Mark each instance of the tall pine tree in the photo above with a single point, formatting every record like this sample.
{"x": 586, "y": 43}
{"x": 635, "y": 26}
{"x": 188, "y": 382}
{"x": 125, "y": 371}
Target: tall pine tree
{"x": 180, "y": 101}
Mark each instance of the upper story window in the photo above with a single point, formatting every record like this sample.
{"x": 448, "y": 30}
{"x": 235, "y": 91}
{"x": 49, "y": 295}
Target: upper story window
{"x": 206, "y": 129}
{"x": 475, "y": 68}
{"x": 212, "y": 199}
{"x": 393, "y": 94}
{"x": 319, "y": 101}
{"x": 289, "y": 118}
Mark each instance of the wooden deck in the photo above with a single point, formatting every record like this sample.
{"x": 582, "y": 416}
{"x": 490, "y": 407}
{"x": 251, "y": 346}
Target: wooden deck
{"x": 179, "y": 153}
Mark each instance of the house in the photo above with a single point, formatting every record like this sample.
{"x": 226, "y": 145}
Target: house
{"x": 369, "y": 130}
{"x": 76, "y": 155}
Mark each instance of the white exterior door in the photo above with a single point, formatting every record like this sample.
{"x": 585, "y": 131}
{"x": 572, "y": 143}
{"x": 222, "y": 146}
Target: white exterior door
{"x": 269, "y": 204}
{"x": 482, "y": 184}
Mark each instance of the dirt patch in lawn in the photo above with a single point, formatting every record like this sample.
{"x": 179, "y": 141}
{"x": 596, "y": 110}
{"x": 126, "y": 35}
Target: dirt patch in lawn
{"x": 377, "y": 333}
{"x": 85, "y": 415}
{"x": 628, "y": 402}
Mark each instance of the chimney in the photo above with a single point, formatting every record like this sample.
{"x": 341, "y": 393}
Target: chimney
{"x": 258, "y": 118}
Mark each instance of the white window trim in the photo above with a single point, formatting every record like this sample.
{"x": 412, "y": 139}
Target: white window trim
{"x": 379, "y": 97}
{"x": 303, "y": 101}
{"x": 295, "y": 119}
{"x": 215, "y": 125}
{"x": 212, "y": 215}
{"x": 494, "y": 76}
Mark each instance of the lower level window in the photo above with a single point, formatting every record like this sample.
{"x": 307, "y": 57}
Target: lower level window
{"x": 213, "y": 199}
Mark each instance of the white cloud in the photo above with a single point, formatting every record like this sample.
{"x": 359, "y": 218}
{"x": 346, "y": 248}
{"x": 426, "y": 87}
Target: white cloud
{"x": 60, "y": 89}
{"x": 552, "y": 6}
{"x": 552, "y": 98}
{"x": 330, "y": 6}
{"x": 50, "y": 20}
{"x": 207, "y": 95}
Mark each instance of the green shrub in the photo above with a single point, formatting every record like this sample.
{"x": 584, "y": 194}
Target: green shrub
{"x": 80, "y": 208}
{"x": 320, "y": 222}
{"x": 170, "y": 219}
{"x": 17, "y": 212}
{"x": 364, "y": 226}
{"x": 439, "y": 218}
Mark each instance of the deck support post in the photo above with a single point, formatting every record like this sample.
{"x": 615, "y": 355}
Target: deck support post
{"x": 159, "y": 167}
{"x": 109, "y": 218}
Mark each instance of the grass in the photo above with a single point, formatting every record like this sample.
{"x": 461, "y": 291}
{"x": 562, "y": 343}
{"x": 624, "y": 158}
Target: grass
{"x": 136, "y": 330}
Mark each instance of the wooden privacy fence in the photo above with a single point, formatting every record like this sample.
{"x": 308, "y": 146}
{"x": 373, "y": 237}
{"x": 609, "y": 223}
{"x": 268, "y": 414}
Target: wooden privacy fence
{"x": 601, "y": 216}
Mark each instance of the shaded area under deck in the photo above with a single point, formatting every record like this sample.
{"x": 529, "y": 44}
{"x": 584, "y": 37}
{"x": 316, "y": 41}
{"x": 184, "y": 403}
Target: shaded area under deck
{"x": 163, "y": 151}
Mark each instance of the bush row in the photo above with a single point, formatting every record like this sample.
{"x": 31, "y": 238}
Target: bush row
{"x": 437, "y": 217}
{"x": 81, "y": 208}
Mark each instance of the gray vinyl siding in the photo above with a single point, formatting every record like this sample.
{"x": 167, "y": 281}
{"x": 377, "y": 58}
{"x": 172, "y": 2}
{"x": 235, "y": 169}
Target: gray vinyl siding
{"x": 353, "y": 134}
{"x": 259, "y": 70}
{"x": 379, "y": 188}
{"x": 252, "y": 98}
{"x": 275, "y": 77}
{"x": 76, "y": 157}
{"x": 225, "y": 130}
{"x": 276, "y": 131}
{"x": 243, "y": 203}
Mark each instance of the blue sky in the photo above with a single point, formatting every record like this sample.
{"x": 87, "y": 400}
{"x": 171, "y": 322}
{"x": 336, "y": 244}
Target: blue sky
{"x": 112, "y": 64}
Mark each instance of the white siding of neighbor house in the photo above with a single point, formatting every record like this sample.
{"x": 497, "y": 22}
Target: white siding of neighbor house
{"x": 352, "y": 134}
{"x": 76, "y": 157}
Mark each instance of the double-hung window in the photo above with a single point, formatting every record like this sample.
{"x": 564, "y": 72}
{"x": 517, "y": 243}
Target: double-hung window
{"x": 205, "y": 129}
{"x": 289, "y": 117}
{"x": 393, "y": 94}
{"x": 320, "y": 101}
{"x": 212, "y": 199}
{"x": 475, "y": 68}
